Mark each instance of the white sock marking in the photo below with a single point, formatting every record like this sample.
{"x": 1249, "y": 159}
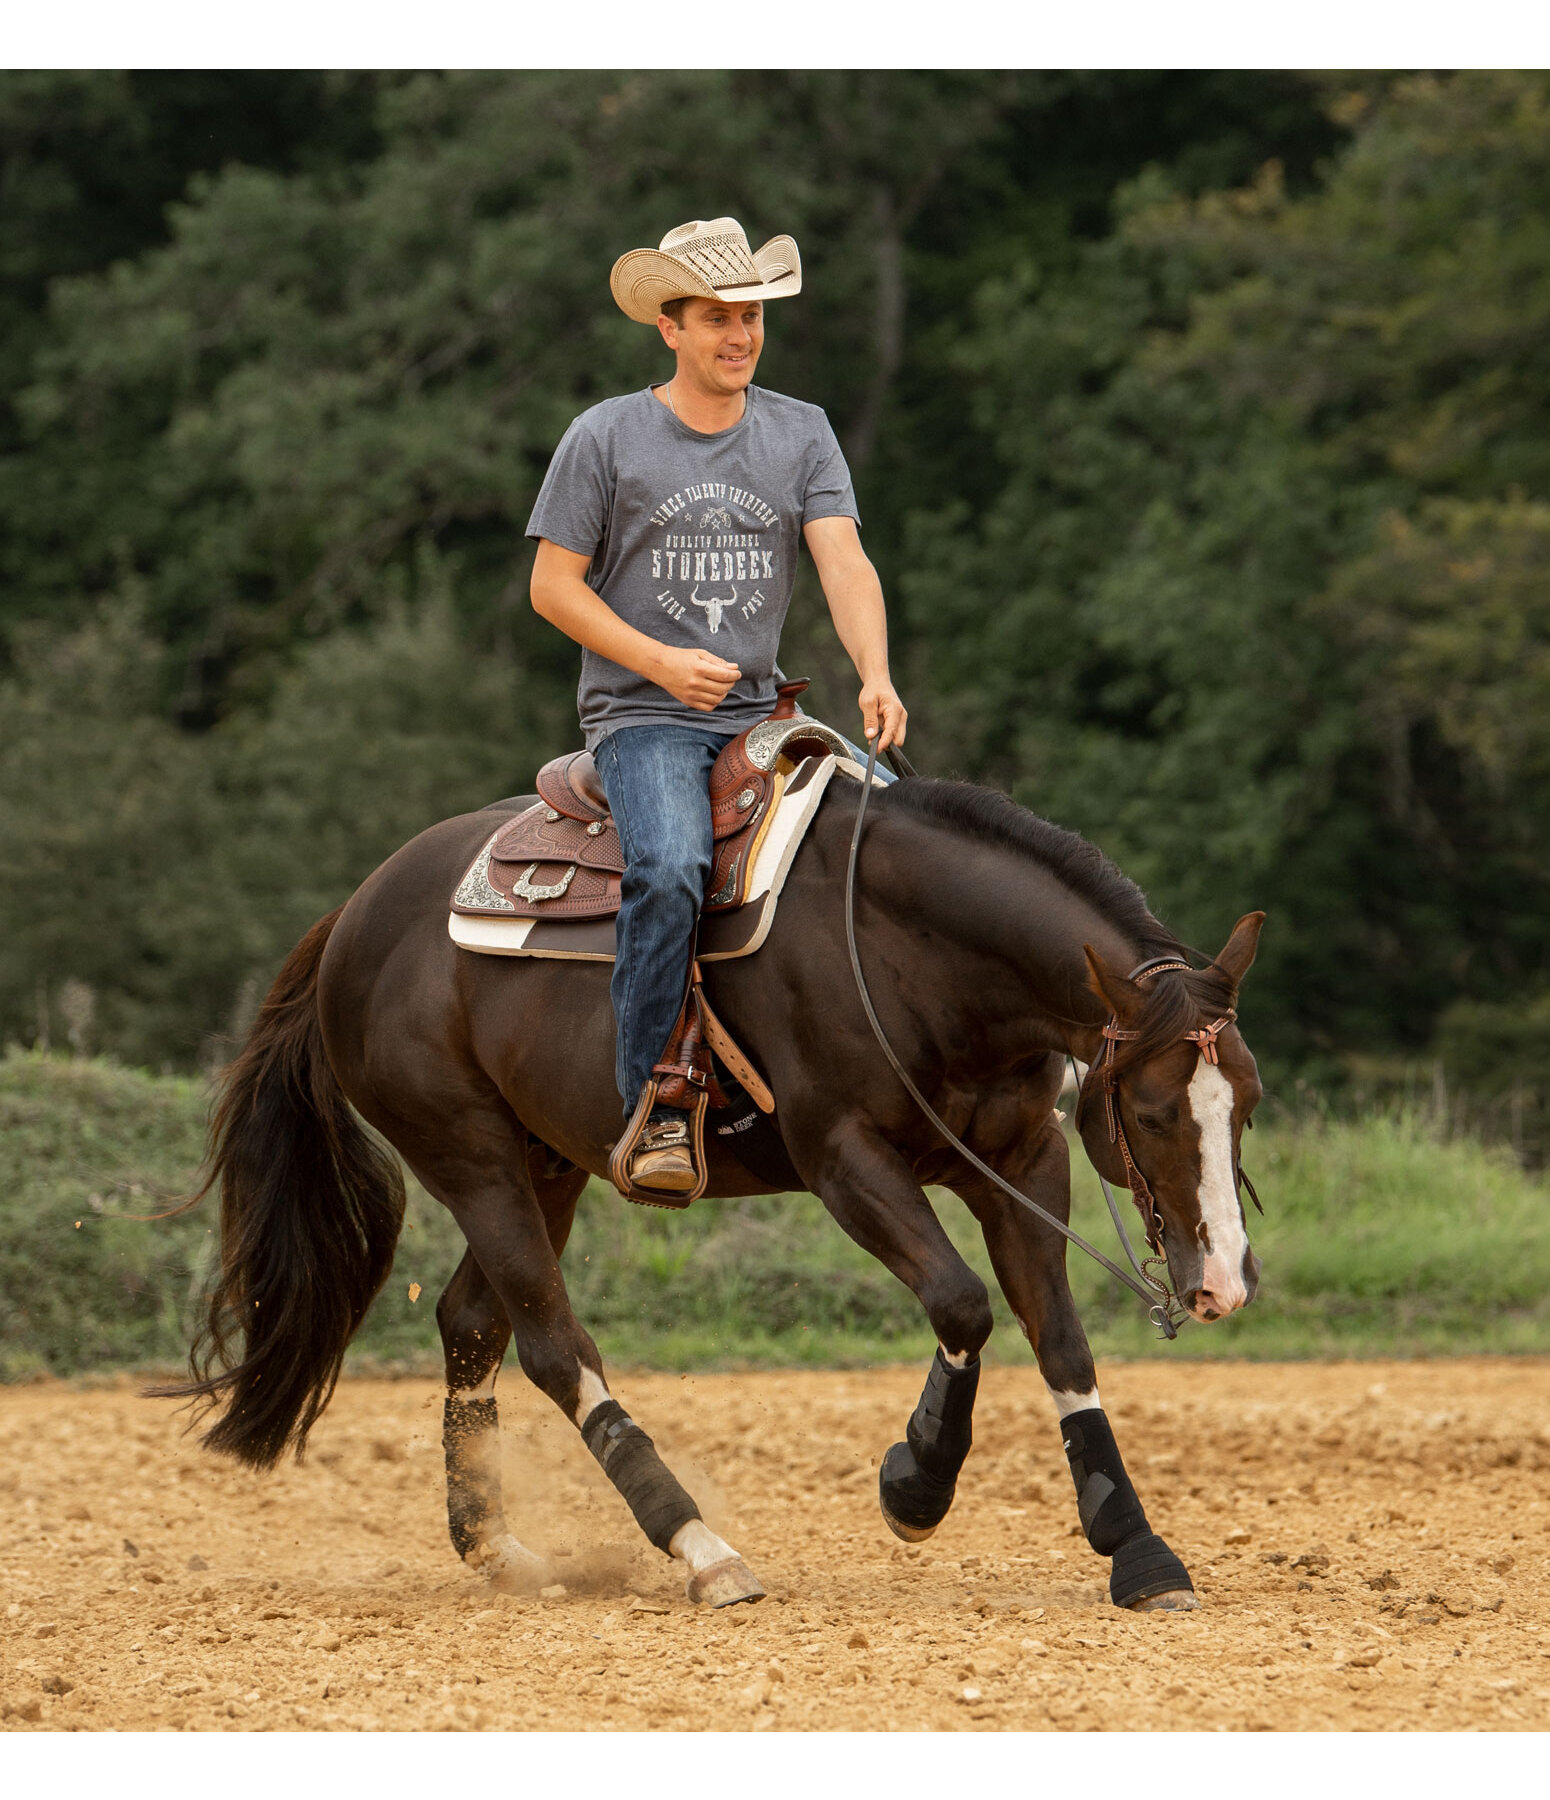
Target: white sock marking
{"x": 955, "y": 1359}
{"x": 697, "y": 1547}
{"x": 1066, "y": 1402}
{"x": 591, "y": 1392}
{"x": 1210, "y": 1101}
{"x": 511, "y": 1565}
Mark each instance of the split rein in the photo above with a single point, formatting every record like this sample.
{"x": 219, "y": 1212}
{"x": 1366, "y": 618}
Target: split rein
{"x": 1162, "y": 1304}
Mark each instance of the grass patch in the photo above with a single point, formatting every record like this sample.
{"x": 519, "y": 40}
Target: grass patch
{"x": 1379, "y": 1240}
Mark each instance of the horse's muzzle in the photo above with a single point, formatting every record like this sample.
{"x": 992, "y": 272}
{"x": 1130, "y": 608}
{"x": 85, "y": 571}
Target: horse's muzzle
{"x": 1222, "y": 1290}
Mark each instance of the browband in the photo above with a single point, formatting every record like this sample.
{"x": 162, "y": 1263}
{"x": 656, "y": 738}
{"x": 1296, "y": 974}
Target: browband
{"x": 1155, "y": 966}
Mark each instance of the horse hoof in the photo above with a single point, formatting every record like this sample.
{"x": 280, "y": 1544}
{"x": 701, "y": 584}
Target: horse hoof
{"x": 510, "y": 1567}
{"x": 904, "y": 1487}
{"x": 726, "y": 1583}
{"x": 912, "y": 1534}
{"x": 1147, "y": 1576}
{"x": 1180, "y": 1600}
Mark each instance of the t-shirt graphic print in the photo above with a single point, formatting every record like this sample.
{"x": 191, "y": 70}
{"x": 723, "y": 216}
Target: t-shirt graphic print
{"x": 693, "y": 538}
{"x": 726, "y": 551}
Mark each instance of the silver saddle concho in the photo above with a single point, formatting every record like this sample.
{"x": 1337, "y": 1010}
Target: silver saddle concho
{"x": 523, "y": 889}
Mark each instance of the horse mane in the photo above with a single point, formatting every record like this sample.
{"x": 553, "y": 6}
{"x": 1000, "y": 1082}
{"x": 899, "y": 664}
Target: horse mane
{"x": 1175, "y": 999}
{"x": 992, "y": 818}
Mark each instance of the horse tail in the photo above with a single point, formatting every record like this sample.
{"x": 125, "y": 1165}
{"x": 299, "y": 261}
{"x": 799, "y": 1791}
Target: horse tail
{"x": 311, "y": 1207}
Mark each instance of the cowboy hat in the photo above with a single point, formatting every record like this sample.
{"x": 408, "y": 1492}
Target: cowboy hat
{"x": 707, "y": 258}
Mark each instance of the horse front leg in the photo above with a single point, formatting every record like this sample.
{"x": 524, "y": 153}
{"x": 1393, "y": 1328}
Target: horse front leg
{"x": 870, "y": 1190}
{"x": 1029, "y": 1259}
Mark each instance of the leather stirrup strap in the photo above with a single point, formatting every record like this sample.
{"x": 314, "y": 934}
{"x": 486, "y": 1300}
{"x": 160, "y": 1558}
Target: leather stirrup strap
{"x": 727, "y": 1048}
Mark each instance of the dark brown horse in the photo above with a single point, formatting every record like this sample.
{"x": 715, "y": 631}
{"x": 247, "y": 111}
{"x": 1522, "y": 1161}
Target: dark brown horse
{"x": 995, "y": 944}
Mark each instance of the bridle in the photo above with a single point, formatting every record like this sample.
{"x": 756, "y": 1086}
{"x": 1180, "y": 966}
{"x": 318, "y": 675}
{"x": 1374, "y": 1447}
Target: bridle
{"x": 1161, "y": 1302}
{"x": 1204, "y": 1038}
{"x": 1108, "y": 1077}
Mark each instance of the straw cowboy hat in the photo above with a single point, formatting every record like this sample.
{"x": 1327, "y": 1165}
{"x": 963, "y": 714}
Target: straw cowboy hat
{"x": 707, "y": 258}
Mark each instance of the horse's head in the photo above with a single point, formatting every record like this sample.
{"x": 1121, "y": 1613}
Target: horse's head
{"x": 1163, "y": 1108}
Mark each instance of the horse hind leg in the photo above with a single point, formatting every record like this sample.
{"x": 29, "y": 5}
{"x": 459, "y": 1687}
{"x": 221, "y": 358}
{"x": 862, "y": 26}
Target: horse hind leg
{"x": 515, "y": 1248}
{"x": 474, "y": 1336}
{"x": 716, "y": 1575}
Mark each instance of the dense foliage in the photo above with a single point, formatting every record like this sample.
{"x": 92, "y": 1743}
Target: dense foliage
{"x": 1381, "y": 1238}
{"x": 1198, "y": 424}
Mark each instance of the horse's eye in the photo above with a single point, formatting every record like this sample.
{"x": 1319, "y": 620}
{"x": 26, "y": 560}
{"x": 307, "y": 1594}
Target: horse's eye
{"x": 1156, "y": 1122}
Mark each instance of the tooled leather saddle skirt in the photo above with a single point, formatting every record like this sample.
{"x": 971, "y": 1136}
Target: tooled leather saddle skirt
{"x": 561, "y": 860}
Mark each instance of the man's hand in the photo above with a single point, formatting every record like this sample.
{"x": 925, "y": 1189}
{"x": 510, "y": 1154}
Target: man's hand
{"x": 696, "y": 677}
{"x": 883, "y": 714}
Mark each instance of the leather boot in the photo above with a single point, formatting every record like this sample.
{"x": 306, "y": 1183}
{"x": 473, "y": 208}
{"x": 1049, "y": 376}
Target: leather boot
{"x": 662, "y": 1159}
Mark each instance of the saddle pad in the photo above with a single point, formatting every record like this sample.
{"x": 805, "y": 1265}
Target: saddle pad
{"x": 722, "y": 935}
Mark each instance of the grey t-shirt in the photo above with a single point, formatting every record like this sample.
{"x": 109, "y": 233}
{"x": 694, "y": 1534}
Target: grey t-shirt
{"x": 693, "y": 537}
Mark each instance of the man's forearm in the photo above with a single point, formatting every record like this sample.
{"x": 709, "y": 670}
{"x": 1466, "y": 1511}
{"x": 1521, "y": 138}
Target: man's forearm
{"x": 560, "y": 595}
{"x": 567, "y": 602}
{"x": 855, "y": 598}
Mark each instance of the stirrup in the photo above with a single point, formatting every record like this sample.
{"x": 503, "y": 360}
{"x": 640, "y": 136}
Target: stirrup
{"x": 635, "y": 1134}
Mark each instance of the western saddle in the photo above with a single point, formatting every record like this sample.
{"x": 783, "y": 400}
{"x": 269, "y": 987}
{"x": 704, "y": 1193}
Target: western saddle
{"x": 562, "y": 859}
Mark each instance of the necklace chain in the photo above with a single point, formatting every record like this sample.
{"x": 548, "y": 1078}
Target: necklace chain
{"x": 668, "y": 390}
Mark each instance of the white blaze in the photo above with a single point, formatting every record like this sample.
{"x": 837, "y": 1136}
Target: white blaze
{"x": 1210, "y": 1101}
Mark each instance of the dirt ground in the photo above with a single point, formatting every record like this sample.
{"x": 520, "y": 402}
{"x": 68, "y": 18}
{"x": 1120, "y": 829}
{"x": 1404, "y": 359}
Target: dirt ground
{"x": 1369, "y": 1542}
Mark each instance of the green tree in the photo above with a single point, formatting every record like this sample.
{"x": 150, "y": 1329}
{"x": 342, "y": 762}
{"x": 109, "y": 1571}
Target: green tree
{"x": 323, "y": 368}
{"x": 333, "y": 372}
{"x": 89, "y": 160}
{"x": 170, "y": 872}
{"x": 1263, "y": 551}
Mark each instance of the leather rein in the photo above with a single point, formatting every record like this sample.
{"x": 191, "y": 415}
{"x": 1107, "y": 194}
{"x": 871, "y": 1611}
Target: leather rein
{"x": 1158, "y": 1297}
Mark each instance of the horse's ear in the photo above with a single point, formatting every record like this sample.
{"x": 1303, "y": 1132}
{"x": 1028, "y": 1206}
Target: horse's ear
{"x": 1123, "y": 996}
{"x": 1237, "y": 954}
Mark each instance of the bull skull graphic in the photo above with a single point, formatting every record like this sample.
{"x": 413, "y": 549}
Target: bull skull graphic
{"x": 712, "y": 608}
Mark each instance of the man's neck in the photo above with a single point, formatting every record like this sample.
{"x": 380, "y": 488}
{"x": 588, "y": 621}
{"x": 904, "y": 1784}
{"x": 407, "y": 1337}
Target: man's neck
{"x": 701, "y": 411}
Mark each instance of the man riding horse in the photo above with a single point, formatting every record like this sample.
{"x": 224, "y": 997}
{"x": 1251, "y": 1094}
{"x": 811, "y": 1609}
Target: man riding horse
{"x": 490, "y": 1074}
{"x": 667, "y": 531}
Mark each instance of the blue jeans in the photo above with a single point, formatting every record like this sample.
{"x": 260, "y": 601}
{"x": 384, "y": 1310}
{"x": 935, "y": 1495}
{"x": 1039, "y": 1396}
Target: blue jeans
{"x": 657, "y": 778}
